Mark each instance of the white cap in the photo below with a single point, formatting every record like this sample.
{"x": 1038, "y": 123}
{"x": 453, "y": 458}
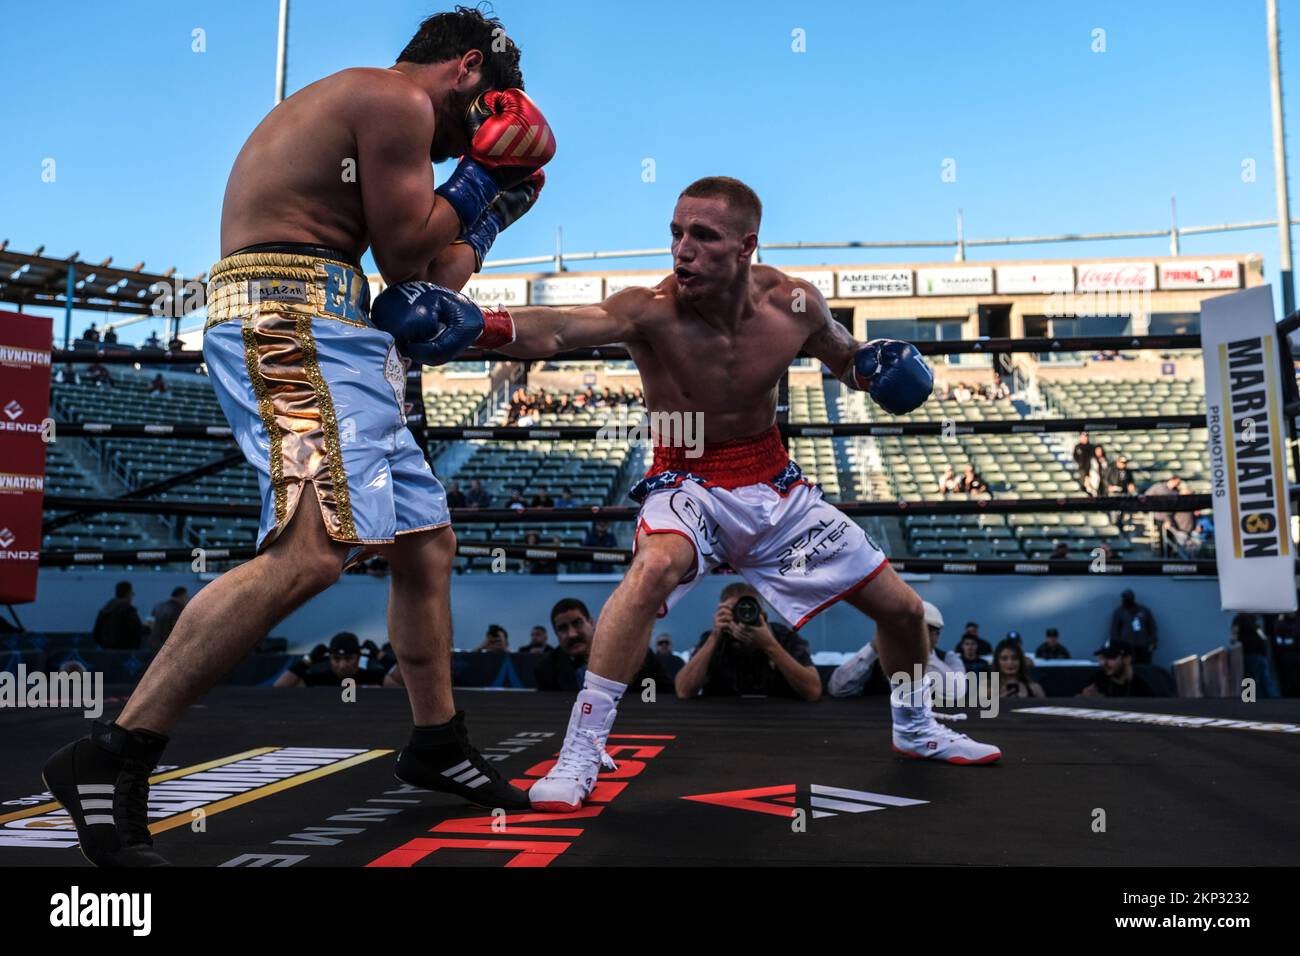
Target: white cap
{"x": 932, "y": 616}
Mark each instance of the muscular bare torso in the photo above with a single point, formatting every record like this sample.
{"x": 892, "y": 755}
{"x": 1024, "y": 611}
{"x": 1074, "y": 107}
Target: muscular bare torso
{"x": 289, "y": 182}
{"x": 691, "y": 363}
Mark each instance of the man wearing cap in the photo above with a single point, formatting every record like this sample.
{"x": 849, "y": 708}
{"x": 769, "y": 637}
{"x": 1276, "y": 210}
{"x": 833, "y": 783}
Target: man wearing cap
{"x": 342, "y": 662}
{"x": 1135, "y": 625}
{"x": 1116, "y": 677}
{"x": 852, "y": 677}
{"x": 1052, "y": 649}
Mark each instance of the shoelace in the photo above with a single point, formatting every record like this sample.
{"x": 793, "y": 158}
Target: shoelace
{"x": 576, "y": 755}
{"x": 131, "y": 803}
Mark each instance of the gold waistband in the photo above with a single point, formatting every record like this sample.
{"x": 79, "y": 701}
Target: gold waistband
{"x": 251, "y": 283}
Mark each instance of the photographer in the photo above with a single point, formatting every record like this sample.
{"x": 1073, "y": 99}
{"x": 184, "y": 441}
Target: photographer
{"x": 331, "y": 666}
{"x": 745, "y": 654}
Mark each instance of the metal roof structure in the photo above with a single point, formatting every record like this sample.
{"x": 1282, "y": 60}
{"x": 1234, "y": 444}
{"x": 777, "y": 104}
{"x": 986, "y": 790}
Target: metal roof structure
{"x": 34, "y": 279}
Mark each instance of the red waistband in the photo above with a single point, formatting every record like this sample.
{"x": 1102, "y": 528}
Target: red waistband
{"x": 728, "y": 464}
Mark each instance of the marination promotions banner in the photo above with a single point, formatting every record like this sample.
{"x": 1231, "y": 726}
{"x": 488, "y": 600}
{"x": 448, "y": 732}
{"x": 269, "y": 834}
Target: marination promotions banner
{"x": 1243, "y": 410}
{"x": 25, "y": 344}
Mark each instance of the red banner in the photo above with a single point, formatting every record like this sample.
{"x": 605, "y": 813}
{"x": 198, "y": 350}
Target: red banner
{"x": 26, "y": 342}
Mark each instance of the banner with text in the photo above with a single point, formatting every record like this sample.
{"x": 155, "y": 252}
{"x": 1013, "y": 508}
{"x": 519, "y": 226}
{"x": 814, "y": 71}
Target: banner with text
{"x": 26, "y": 342}
{"x": 1243, "y": 411}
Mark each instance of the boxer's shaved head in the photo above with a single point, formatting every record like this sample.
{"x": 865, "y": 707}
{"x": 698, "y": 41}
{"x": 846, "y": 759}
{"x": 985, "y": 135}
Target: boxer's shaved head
{"x": 738, "y": 197}
{"x": 449, "y": 36}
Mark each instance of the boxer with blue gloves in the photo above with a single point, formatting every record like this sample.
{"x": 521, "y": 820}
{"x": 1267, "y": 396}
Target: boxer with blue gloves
{"x": 712, "y": 343}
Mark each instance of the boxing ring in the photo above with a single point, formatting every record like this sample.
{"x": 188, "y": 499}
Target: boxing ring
{"x": 722, "y": 782}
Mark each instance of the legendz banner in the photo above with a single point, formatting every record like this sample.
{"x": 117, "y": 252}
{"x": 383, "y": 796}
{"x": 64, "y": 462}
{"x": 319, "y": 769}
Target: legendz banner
{"x": 25, "y": 346}
{"x": 1243, "y": 411}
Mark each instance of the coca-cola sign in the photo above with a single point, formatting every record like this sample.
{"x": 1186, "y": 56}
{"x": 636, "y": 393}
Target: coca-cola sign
{"x": 1116, "y": 276}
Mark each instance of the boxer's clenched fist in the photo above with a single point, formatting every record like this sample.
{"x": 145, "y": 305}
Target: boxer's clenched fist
{"x": 893, "y": 373}
{"x": 510, "y": 140}
{"x": 510, "y": 136}
{"x": 432, "y": 324}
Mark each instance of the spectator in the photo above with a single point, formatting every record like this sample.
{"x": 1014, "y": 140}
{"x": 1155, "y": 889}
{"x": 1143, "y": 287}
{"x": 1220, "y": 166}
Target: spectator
{"x": 1134, "y": 625}
{"x": 97, "y": 374}
{"x": 542, "y": 499}
{"x": 164, "y": 615}
{"x": 599, "y": 536}
{"x": 516, "y": 502}
{"x": 948, "y": 481}
{"x": 1052, "y": 649}
{"x": 110, "y": 336}
{"x": 496, "y": 641}
{"x": 1175, "y": 528}
{"x": 536, "y": 565}
{"x": 1013, "y": 670}
{"x": 973, "y": 630}
{"x": 670, "y": 662}
{"x": 1116, "y": 677}
{"x": 1285, "y": 637}
{"x": 1119, "y": 483}
{"x": 537, "y": 641}
{"x": 91, "y": 334}
{"x": 565, "y": 667}
{"x": 971, "y": 483}
{"x": 153, "y": 342}
{"x": 968, "y": 649}
{"x": 1096, "y": 471}
{"x": 477, "y": 496}
{"x": 734, "y": 659}
{"x": 159, "y": 385}
{"x": 118, "y": 625}
{"x": 961, "y": 393}
{"x": 566, "y": 499}
{"x": 997, "y": 390}
{"x": 330, "y": 667}
{"x": 863, "y": 673}
{"x": 175, "y": 344}
{"x": 1255, "y": 659}
{"x": 455, "y": 497}
{"x": 1060, "y": 551}
{"x": 1082, "y": 455}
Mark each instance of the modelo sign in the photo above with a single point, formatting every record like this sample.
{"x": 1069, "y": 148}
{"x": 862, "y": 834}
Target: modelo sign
{"x": 1116, "y": 277}
{"x": 1200, "y": 274}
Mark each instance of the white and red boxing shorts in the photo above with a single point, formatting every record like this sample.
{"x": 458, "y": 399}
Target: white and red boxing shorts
{"x": 747, "y": 505}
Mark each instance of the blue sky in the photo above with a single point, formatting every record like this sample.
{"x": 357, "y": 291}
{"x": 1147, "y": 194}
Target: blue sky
{"x": 844, "y": 141}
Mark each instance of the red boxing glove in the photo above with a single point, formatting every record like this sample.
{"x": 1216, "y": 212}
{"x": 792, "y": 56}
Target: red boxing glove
{"x": 509, "y": 136}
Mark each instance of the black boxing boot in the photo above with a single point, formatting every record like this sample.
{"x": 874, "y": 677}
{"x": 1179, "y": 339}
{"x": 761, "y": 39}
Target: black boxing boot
{"x": 103, "y": 782}
{"x": 442, "y": 759}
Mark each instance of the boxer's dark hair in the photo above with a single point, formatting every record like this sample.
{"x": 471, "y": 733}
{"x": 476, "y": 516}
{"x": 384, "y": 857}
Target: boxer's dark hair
{"x": 569, "y": 604}
{"x": 731, "y": 191}
{"x": 449, "y": 36}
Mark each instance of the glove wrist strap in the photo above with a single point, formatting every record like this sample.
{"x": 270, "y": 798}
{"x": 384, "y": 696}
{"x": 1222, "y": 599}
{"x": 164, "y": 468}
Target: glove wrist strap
{"x": 469, "y": 190}
{"x": 498, "y": 329}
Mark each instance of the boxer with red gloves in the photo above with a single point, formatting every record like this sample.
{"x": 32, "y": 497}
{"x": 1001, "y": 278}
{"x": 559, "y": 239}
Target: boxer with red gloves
{"x": 294, "y": 359}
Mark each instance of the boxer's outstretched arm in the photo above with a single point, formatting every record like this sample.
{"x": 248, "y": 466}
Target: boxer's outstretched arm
{"x": 541, "y": 332}
{"x": 830, "y": 343}
{"x": 408, "y": 224}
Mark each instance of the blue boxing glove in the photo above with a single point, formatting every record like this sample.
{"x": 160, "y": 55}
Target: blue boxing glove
{"x": 432, "y": 324}
{"x": 893, "y": 373}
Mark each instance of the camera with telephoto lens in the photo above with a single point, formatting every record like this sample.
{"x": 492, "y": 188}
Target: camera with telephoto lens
{"x": 747, "y": 611}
